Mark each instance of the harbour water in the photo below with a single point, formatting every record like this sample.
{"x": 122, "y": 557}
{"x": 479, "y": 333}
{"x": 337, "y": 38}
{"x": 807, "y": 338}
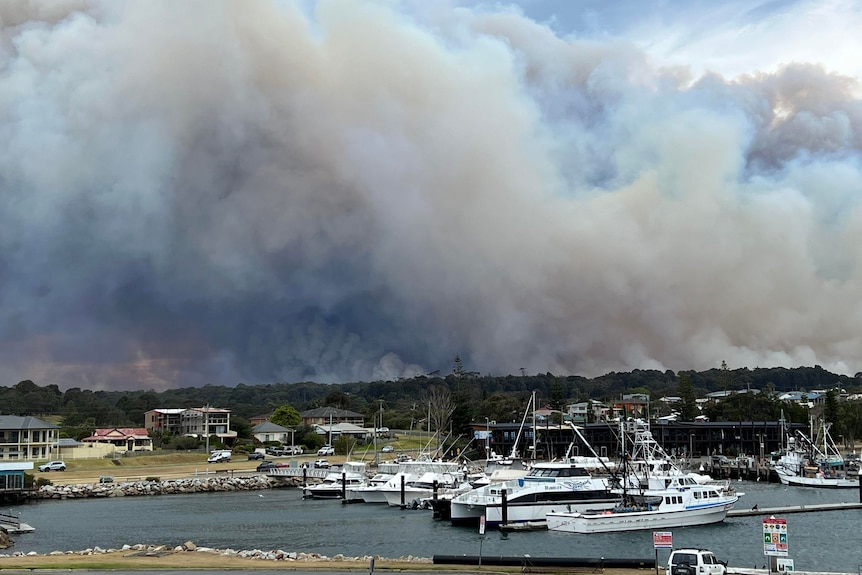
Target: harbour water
{"x": 281, "y": 519}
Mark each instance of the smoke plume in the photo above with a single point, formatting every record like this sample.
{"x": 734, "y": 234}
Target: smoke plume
{"x": 258, "y": 191}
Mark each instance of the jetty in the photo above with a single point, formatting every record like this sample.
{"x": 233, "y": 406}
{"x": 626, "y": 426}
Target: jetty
{"x": 792, "y": 509}
{"x": 12, "y": 524}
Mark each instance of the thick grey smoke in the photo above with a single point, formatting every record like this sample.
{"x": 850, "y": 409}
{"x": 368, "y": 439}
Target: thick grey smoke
{"x": 214, "y": 192}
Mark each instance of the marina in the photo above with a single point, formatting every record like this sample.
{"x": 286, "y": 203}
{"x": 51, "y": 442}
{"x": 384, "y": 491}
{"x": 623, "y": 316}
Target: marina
{"x": 281, "y": 519}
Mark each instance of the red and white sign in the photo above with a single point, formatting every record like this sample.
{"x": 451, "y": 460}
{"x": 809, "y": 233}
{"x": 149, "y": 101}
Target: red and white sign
{"x": 775, "y": 536}
{"x": 662, "y": 539}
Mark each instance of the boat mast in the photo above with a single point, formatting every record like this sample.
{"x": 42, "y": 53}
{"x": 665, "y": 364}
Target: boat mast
{"x": 534, "y": 424}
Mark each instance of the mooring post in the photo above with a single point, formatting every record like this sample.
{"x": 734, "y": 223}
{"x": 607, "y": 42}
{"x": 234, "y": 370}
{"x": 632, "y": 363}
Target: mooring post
{"x": 403, "y": 504}
{"x": 505, "y": 508}
{"x": 344, "y": 486}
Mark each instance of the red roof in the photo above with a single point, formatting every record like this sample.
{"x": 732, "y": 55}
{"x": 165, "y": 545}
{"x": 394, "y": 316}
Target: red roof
{"x": 115, "y": 433}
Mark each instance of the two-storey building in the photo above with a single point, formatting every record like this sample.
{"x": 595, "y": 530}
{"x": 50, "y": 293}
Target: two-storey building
{"x": 26, "y": 438}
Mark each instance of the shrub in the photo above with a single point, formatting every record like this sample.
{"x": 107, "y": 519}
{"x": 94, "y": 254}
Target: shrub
{"x": 41, "y": 481}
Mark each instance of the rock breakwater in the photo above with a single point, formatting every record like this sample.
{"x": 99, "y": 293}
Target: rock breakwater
{"x": 167, "y": 487}
{"x": 258, "y": 554}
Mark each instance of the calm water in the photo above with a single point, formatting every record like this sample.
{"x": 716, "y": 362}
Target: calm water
{"x": 280, "y": 519}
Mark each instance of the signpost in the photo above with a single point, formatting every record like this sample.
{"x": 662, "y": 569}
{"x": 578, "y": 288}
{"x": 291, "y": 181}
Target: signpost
{"x": 481, "y": 538}
{"x": 661, "y": 540}
{"x": 774, "y": 540}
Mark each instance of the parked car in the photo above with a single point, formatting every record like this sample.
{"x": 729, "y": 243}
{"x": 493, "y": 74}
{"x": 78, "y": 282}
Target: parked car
{"x": 53, "y": 466}
{"x": 387, "y": 449}
{"x": 219, "y": 456}
{"x": 322, "y": 464}
{"x": 255, "y": 455}
{"x": 297, "y": 450}
{"x": 266, "y": 466}
{"x": 691, "y": 561}
{"x": 382, "y": 430}
{"x": 326, "y": 450}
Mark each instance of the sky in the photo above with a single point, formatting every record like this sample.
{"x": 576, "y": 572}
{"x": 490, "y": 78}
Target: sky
{"x": 216, "y": 192}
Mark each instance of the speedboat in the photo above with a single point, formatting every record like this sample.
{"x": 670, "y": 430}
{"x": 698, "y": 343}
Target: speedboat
{"x": 351, "y": 475}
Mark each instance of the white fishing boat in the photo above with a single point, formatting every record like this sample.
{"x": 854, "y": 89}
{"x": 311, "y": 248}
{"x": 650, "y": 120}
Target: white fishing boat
{"x": 681, "y": 506}
{"x": 351, "y": 475}
{"x": 813, "y": 461}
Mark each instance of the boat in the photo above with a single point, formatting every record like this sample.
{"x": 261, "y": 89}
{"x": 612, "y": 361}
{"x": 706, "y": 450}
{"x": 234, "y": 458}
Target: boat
{"x": 813, "y": 461}
{"x": 366, "y": 492}
{"x": 351, "y": 475}
{"x": 681, "y": 505}
{"x": 431, "y": 484}
{"x": 447, "y": 474}
{"x": 649, "y": 466}
{"x": 574, "y": 481}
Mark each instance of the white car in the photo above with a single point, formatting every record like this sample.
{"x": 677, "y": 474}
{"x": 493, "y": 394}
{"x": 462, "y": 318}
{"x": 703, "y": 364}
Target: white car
{"x": 387, "y": 449}
{"x": 53, "y": 466}
{"x": 691, "y": 561}
{"x": 219, "y": 456}
{"x": 326, "y": 450}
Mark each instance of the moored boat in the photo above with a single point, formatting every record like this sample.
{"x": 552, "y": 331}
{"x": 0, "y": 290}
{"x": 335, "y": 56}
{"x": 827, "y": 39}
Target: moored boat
{"x": 680, "y": 507}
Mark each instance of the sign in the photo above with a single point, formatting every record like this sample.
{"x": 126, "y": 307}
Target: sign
{"x": 784, "y": 564}
{"x": 775, "y": 536}
{"x": 482, "y": 525}
{"x": 662, "y": 539}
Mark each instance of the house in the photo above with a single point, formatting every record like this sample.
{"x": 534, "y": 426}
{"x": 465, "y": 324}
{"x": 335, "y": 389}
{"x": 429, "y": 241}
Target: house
{"x": 585, "y": 411}
{"x": 122, "y": 438}
{"x": 806, "y": 399}
{"x": 331, "y": 415}
{"x": 336, "y": 430}
{"x": 26, "y": 438}
{"x": 631, "y": 405}
{"x": 12, "y": 480}
{"x": 194, "y": 422}
{"x": 269, "y": 431}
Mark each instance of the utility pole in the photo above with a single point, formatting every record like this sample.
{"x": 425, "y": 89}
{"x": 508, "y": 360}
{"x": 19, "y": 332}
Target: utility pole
{"x": 207, "y": 425}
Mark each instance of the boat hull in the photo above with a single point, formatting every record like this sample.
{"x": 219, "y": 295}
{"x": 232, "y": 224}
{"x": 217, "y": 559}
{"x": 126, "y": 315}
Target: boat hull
{"x": 635, "y": 520}
{"x": 524, "y": 507}
{"x": 824, "y": 482}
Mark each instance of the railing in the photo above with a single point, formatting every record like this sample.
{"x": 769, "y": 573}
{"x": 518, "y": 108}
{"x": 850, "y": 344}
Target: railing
{"x": 9, "y": 519}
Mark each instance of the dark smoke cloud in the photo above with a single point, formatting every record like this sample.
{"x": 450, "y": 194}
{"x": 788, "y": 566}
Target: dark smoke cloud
{"x": 214, "y": 192}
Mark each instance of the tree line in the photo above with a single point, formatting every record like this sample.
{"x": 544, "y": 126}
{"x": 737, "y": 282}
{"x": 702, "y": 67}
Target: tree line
{"x": 451, "y": 401}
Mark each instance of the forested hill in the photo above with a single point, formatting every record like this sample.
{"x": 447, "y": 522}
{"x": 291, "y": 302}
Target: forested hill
{"x": 501, "y": 397}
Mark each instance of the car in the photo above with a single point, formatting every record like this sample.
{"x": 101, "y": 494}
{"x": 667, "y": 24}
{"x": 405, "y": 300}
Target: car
{"x": 53, "y": 466}
{"x": 322, "y": 464}
{"x": 326, "y": 450}
{"x": 219, "y": 456}
{"x": 387, "y": 449}
{"x": 382, "y": 430}
{"x": 255, "y": 455}
{"x": 691, "y": 561}
{"x": 265, "y": 466}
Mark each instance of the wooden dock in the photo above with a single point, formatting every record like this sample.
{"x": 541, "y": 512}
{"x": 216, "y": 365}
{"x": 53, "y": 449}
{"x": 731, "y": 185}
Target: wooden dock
{"x": 792, "y": 509}
{"x": 12, "y": 524}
